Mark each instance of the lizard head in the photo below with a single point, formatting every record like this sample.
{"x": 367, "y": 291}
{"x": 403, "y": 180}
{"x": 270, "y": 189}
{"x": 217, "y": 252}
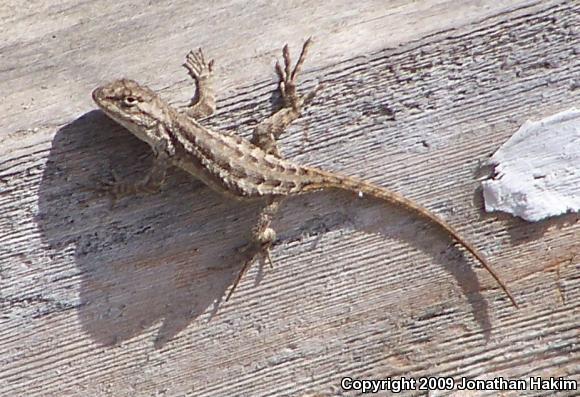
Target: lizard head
{"x": 133, "y": 106}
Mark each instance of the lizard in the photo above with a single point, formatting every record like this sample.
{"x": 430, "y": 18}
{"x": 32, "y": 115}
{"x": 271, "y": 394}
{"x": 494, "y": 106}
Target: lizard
{"x": 232, "y": 165}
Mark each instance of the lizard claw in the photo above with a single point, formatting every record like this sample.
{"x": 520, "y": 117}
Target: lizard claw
{"x": 310, "y": 96}
{"x": 260, "y": 251}
{"x": 287, "y": 77}
{"x": 196, "y": 65}
{"x": 117, "y": 189}
{"x": 104, "y": 187}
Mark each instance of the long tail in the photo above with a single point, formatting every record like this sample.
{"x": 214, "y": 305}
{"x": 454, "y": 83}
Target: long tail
{"x": 364, "y": 188}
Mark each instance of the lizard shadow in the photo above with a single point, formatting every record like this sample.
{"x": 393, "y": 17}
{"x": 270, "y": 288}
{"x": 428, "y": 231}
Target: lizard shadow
{"x": 147, "y": 260}
{"x": 333, "y": 210}
{"x": 168, "y": 258}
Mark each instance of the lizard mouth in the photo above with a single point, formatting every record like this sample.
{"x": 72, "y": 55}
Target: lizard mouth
{"x": 97, "y": 95}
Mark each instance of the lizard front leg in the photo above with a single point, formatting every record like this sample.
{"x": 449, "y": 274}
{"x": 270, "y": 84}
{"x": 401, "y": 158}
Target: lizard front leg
{"x": 265, "y": 136}
{"x": 203, "y": 102}
{"x": 163, "y": 151}
{"x": 150, "y": 183}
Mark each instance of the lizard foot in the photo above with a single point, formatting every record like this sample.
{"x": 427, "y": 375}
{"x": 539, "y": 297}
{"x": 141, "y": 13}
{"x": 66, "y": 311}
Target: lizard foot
{"x": 257, "y": 250}
{"x": 117, "y": 189}
{"x": 114, "y": 188}
{"x": 287, "y": 78}
{"x": 196, "y": 65}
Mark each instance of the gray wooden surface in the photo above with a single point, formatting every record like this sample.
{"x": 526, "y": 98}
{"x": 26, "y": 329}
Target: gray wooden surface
{"x": 417, "y": 95}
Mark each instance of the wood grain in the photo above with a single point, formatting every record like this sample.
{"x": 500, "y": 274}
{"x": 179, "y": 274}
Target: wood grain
{"x": 128, "y": 301}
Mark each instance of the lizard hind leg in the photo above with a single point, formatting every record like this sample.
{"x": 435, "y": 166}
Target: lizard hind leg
{"x": 269, "y": 130}
{"x": 265, "y": 136}
{"x": 263, "y": 236}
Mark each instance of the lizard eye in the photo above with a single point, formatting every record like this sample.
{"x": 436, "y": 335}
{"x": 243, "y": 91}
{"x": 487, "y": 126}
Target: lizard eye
{"x": 130, "y": 100}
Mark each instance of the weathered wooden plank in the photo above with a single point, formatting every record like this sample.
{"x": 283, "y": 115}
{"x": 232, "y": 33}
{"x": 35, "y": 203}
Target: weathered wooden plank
{"x": 128, "y": 301}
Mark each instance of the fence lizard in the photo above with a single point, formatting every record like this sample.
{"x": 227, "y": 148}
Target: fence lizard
{"x": 236, "y": 167}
